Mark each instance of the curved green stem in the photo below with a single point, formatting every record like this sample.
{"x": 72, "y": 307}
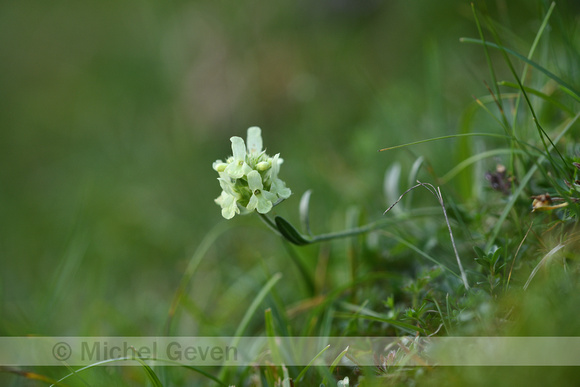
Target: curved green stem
{"x": 270, "y": 223}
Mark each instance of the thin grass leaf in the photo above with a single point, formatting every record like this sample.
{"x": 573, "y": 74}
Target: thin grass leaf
{"x": 541, "y": 132}
{"x": 565, "y": 86}
{"x": 487, "y": 57}
{"x": 542, "y": 263}
{"x": 473, "y": 159}
{"x": 303, "y": 372}
{"x": 538, "y": 93}
{"x": 111, "y": 361}
{"x": 447, "y": 329}
{"x": 148, "y": 370}
{"x": 516, "y": 255}
{"x": 437, "y": 193}
{"x": 444, "y": 138}
{"x": 408, "y": 328}
{"x": 334, "y": 364}
{"x": 530, "y": 55}
{"x": 421, "y": 252}
{"x": 254, "y": 306}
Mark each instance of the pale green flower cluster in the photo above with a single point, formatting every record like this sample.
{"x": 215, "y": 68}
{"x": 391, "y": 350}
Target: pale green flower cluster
{"x": 249, "y": 178}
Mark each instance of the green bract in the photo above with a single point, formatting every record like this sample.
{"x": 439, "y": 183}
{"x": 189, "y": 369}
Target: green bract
{"x": 249, "y": 179}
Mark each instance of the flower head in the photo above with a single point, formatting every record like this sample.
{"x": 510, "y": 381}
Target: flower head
{"x": 249, "y": 178}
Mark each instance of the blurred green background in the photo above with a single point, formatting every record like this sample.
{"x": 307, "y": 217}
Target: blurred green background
{"x": 112, "y": 112}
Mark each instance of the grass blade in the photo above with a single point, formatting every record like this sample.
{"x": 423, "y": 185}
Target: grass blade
{"x": 408, "y": 328}
{"x": 335, "y": 363}
{"x": 566, "y": 86}
{"x": 473, "y": 159}
{"x": 111, "y": 361}
{"x": 538, "y": 93}
{"x": 542, "y": 263}
{"x": 254, "y": 306}
{"x": 303, "y": 372}
{"x": 148, "y": 370}
{"x": 445, "y": 138}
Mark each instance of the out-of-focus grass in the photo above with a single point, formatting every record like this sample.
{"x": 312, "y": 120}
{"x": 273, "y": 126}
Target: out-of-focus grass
{"x": 111, "y": 114}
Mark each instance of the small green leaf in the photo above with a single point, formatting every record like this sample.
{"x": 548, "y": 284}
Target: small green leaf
{"x": 480, "y": 253}
{"x": 495, "y": 256}
{"x": 289, "y": 232}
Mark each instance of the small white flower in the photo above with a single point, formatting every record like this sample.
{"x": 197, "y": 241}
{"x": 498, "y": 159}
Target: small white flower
{"x": 238, "y": 167}
{"x": 249, "y": 179}
{"x": 228, "y": 204}
{"x": 261, "y": 199}
{"x": 219, "y": 166}
{"x": 278, "y": 186}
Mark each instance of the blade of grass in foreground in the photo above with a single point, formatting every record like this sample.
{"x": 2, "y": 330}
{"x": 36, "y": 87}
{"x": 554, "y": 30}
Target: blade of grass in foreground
{"x": 112, "y": 361}
{"x": 303, "y": 372}
{"x": 149, "y": 371}
{"x": 543, "y": 262}
{"x": 254, "y": 306}
{"x": 334, "y": 364}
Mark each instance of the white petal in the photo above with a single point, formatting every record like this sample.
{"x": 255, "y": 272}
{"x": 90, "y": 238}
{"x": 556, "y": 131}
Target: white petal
{"x": 229, "y": 206}
{"x": 279, "y": 188}
{"x": 238, "y": 148}
{"x": 275, "y": 166}
{"x": 218, "y": 164}
{"x": 254, "y": 139}
{"x": 264, "y": 205}
{"x": 255, "y": 181}
{"x": 236, "y": 169}
{"x": 227, "y": 186}
{"x": 253, "y": 203}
